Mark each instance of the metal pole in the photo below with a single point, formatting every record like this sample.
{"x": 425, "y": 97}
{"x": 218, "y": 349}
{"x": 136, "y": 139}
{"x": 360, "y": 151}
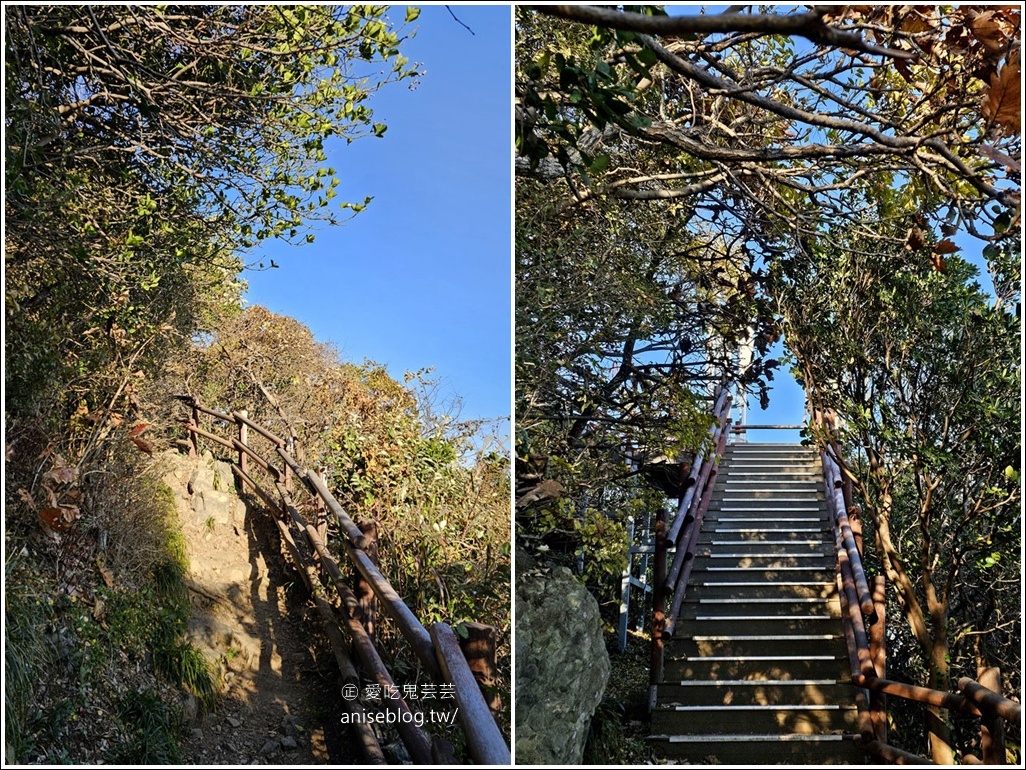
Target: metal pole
{"x": 625, "y": 589}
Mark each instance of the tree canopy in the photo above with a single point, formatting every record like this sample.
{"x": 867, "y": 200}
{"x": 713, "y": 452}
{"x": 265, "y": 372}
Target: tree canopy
{"x": 692, "y": 187}
{"x": 147, "y": 148}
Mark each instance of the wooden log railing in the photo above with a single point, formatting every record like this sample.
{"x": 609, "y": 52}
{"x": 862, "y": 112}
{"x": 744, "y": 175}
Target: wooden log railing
{"x": 863, "y": 614}
{"x": 682, "y": 535}
{"x": 348, "y": 624}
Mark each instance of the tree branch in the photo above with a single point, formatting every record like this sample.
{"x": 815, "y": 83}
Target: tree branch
{"x": 808, "y": 25}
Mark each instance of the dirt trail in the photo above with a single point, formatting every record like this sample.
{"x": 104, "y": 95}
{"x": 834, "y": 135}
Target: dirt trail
{"x": 279, "y": 703}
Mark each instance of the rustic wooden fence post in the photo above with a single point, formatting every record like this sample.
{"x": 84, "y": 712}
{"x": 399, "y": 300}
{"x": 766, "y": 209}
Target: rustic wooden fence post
{"x": 243, "y": 458}
{"x": 193, "y": 435}
{"x": 363, "y": 589}
{"x": 992, "y": 727}
{"x": 878, "y": 654}
{"x": 322, "y": 512}
{"x": 658, "y": 603}
{"x": 479, "y": 649}
{"x": 291, "y": 449}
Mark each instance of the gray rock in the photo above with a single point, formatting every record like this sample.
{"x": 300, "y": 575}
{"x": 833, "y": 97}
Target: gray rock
{"x": 234, "y": 722}
{"x": 190, "y": 708}
{"x": 269, "y": 747}
{"x": 396, "y": 753}
{"x": 562, "y": 665}
{"x": 288, "y": 743}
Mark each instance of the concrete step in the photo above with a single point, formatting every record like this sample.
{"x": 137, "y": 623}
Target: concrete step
{"x": 715, "y": 588}
{"x": 774, "y": 562}
{"x": 784, "y": 520}
{"x": 732, "y": 537}
{"x": 796, "y": 718}
{"x": 755, "y": 622}
{"x": 792, "y": 691}
{"x": 762, "y": 548}
{"x": 772, "y": 749}
{"x": 744, "y": 643}
{"x": 696, "y": 607}
{"x": 717, "y": 667}
{"x": 706, "y": 573}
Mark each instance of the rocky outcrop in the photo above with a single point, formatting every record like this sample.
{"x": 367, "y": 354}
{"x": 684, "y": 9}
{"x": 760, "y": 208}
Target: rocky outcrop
{"x": 204, "y": 490}
{"x": 562, "y": 664}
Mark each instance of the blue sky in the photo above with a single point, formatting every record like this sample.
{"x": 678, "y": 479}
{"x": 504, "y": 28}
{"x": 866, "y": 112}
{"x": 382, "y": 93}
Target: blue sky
{"x": 422, "y": 277}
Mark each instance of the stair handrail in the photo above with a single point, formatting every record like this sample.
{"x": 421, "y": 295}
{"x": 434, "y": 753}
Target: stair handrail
{"x": 861, "y": 610}
{"x": 683, "y": 534}
{"x": 438, "y": 649}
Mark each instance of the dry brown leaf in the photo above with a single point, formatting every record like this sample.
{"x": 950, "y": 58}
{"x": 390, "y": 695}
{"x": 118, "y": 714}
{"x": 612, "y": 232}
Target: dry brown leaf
{"x": 986, "y": 28}
{"x": 915, "y": 239}
{"x": 106, "y": 574}
{"x": 947, "y": 246}
{"x": 1002, "y": 104}
{"x": 60, "y": 518}
{"x": 143, "y": 445}
{"x": 938, "y": 263}
{"x": 917, "y": 18}
{"x": 67, "y": 474}
{"x": 26, "y": 498}
{"x": 51, "y": 496}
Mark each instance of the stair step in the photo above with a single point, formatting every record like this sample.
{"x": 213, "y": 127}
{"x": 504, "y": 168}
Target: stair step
{"x": 736, "y": 645}
{"x": 740, "y": 694}
{"x": 755, "y": 719}
{"x": 716, "y": 667}
{"x": 752, "y": 624}
{"x": 715, "y": 541}
{"x": 763, "y": 590}
{"x": 760, "y": 607}
{"x": 738, "y": 550}
{"x": 786, "y": 520}
{"x": 745, "y": 750}
{"x": 776, "y": 562}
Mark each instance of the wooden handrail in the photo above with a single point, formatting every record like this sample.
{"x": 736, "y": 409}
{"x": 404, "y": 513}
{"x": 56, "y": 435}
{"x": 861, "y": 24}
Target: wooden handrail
{"x": 858, "y": 610}
{"x": 684, "y": 531}
{"x": 679, "y": 533}
{"x": 485, "y": 742}
{"x": 681, "y": 584}
{"x": 835, "y": 495}
{"x": 442, "y": 660}
{"x": 272, "y": 437}
{"x": 986, "y": 700}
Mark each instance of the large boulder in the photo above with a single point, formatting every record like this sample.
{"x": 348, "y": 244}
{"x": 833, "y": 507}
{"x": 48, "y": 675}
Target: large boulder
{"x": 562, "y": 664}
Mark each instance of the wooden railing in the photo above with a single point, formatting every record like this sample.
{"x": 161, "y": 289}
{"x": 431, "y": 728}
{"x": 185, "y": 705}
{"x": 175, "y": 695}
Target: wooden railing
{"x": 349, "y": 622}
{"x": 683, "y": 534}
{"x": 863, "y": 614}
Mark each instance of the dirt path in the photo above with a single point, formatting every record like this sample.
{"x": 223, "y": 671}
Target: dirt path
{"x": 279, "y": 703}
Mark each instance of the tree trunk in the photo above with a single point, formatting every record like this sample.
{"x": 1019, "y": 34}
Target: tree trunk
{"x": 937, "y": 725}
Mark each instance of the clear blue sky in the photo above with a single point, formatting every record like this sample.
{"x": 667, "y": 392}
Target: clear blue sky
{"x": 422, "y": 278}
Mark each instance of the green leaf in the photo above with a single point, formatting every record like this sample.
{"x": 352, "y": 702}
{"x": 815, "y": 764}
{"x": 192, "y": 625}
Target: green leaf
{"x": 380, "y": 129}
{"x": 600, "y": 163}
{"x": 412, "y": 14}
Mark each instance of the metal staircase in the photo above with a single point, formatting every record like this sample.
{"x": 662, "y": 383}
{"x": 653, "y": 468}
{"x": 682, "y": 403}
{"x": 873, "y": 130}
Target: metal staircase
{"x": 757, "y": 669}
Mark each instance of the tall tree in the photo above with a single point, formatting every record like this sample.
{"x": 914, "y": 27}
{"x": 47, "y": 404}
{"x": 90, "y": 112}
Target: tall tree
{"x": 145, "y": 147}
{"x": 922, "y": 369}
